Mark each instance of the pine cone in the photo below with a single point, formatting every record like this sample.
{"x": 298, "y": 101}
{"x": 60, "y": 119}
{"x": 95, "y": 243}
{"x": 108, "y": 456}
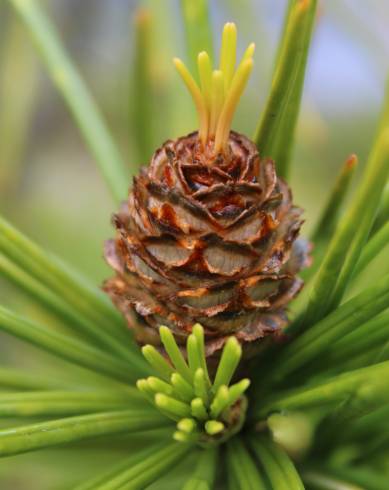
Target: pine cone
{"x": 208, "y": 232}
{"x": 209, "y": 240}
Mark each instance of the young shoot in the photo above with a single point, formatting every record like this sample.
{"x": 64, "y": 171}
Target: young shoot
{"x": 205, "y": 410}
{"x": 220, "y": 89}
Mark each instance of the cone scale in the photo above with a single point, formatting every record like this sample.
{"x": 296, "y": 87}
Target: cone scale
{"x": 208, "y": 233}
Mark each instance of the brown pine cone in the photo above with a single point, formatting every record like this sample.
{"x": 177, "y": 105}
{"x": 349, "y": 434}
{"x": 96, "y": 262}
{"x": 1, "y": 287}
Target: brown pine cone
{"x": 207, "y": 239}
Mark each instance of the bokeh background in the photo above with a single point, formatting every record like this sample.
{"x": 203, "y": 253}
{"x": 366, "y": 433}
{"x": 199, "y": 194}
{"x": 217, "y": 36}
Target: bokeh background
{"x": 51, "y": 189}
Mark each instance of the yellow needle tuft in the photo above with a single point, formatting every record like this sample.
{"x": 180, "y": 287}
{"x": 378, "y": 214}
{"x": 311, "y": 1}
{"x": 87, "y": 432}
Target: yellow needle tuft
{"x": 220, "y": 90}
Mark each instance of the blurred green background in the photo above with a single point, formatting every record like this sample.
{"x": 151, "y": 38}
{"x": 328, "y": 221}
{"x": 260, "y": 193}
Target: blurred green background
{"x": 51, "y": 189}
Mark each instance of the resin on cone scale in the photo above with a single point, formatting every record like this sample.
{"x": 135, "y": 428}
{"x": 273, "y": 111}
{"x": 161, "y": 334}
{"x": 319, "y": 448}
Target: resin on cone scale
{"x": 208, "y": 233}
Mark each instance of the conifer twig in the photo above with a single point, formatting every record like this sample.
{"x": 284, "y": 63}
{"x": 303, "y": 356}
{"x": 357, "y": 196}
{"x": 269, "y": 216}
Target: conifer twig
{"x": 327, "y": 221}
{"x": 343, "y": 320}
{"x": 332, "y": 390}
{"x": 16, "y": 379}
{"x": 147, "y": 470}
{"x": 78, "y": 322}
{"x": 64, "y": 347}
{"x": 205, "y": 472}
{"x": 63, "y": 403}
{"x": 98, "y": 482}
{"x": 332, "y": 278}
{"x": 71, "y": 287}
{"x": 46, "y": 434}
{"x": 279, "y": 469}
{"x": 275, "y": 133}
{"x": 241, "y": 467}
